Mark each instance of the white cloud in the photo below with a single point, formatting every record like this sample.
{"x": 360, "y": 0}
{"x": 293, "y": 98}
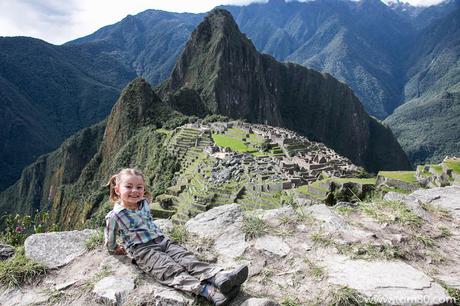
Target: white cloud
{"x": 58, "y": 21}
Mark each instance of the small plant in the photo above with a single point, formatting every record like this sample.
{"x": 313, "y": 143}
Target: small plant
{"x": 178, "y": 233}
{"x": 437, "y": 210}
{"x": 425, "y": 240}
{"x": 445, "y": 232}
{"x": 266, "y": 275}
{"x": 322, "y": 239}
{"x": 288, "y": 301}
{"x": 19, "y": 270}
{"x": 95, "y": 240}
{"x": 372, "y": 251}
{"x": 105, "y": 271}
{"x": 344, "y": 210}
{"x": 454, "y": 293}
{"x": 315, "y": 270}
{"x": 254, "y": 227}
{"x": 345, "y": 296}
{"x": 393, "y": 212}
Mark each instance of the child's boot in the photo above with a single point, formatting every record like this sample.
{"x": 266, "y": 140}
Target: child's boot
{"x": 226, "y": 281}
{"x": 216, "y": 297}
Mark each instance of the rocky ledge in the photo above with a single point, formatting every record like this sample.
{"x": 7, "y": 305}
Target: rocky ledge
{"x": 398, "y": 251}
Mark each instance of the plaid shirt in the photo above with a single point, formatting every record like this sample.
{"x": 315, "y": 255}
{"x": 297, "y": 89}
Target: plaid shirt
{"x": 134, "y": 226}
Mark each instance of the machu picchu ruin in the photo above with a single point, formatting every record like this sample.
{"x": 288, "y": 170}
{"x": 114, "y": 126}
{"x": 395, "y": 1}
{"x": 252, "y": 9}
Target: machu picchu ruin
{"x": 237, "y": 162}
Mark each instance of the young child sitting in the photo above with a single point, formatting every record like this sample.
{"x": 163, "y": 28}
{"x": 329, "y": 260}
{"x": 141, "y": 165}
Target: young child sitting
{"x": 154, "y": 253}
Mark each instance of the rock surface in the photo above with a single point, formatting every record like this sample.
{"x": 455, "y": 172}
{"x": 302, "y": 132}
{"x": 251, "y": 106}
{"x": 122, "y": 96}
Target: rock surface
{"x": 259, "y": 302}
{"x": 113, "y": 289}
{"x": 56, "y": 249}
{"x": 444, "y": 197}
{"x": 223, "y": 226}
{"x": 395, "y": 282}
{"x": 272, "y": 244}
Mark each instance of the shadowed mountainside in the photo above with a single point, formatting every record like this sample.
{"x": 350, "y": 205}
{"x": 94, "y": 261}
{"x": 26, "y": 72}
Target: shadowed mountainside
{"x": 427, "y": 126}
{"x": 69, "y": 181}
{"x": 47, "y": 93}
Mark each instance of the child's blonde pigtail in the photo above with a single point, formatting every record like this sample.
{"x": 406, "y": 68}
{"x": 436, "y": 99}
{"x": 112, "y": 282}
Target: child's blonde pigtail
{"x": 112, "y": 183}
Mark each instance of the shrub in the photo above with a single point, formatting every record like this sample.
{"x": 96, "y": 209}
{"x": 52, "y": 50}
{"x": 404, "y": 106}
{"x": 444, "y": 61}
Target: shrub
{"x": 254, "y": 227}
{"x": 19, "y": 270}
{"x": 19, "y": 227}
{"x": 95, "y": 240}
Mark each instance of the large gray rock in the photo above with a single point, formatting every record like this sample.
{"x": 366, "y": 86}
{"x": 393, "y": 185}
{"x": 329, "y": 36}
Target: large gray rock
{"x": 334, "y": 223}
{"x": 393, "y": 282}
{"x": 113, "y": 289}
{"x": 19, "y": 297}
{"x": 411, "y": 202}
{"x": 222, "y": 224}
{"x": 56, "y": 249}
{"x": 325, "y": 214}
{"x": 445, "y": 197}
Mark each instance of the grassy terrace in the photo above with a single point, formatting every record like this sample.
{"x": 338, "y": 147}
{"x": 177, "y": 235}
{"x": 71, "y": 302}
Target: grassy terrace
{"x": 453, "y": 164}
{"x": 233, "y": 139}
{"x": 437, "y": 168}
{"x": 405, "y": 176}
{"x": 362, "y": 181}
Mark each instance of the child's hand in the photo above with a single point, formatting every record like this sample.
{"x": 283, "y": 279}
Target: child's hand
{"x": 120, "y": 250}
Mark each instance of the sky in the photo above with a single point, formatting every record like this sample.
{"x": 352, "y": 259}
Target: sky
{"x": 59, "y": 21}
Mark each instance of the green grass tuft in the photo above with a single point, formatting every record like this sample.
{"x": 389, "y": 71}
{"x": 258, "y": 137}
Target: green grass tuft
{"x": 254, "y": 227}
{"x": 179, "y": 234}
{"x": 322, "y": 239}
{"x": 345, "y": 296}
{"x": 19, "y": 270}
{"x": 95, "y": 240}
{"x": 394, "y": 212}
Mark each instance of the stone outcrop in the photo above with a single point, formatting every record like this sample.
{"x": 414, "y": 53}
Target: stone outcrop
{"x": 54, "y": 250}
{"x": 393, "y": 283}
{"x": 228, "y": 76}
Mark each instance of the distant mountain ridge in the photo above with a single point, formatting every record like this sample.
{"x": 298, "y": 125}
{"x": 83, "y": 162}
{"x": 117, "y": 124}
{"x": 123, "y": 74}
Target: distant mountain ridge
{"x": 428, "y": 125}
{"x": 47, "y": 93}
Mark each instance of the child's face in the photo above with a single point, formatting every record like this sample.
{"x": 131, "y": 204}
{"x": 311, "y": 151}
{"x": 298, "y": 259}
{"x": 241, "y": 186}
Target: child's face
{"x": 130, "y": 189}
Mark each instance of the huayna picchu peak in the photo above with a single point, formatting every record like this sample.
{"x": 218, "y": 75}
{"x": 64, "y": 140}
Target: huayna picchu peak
{"x": 221, "y": 72}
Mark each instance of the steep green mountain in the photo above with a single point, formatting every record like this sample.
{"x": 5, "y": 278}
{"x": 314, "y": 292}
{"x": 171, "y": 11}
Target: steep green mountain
{"x": 221, "y": 72}
{"x": 47, "y": 93}
{"x": 427, "y": 125}
{"x": 69, "y": 181}
{"x": 148, "y": 43}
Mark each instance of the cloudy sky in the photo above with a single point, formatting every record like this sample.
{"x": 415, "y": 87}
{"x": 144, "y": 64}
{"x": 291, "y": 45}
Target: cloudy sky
{"x": 58, "y": 21}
